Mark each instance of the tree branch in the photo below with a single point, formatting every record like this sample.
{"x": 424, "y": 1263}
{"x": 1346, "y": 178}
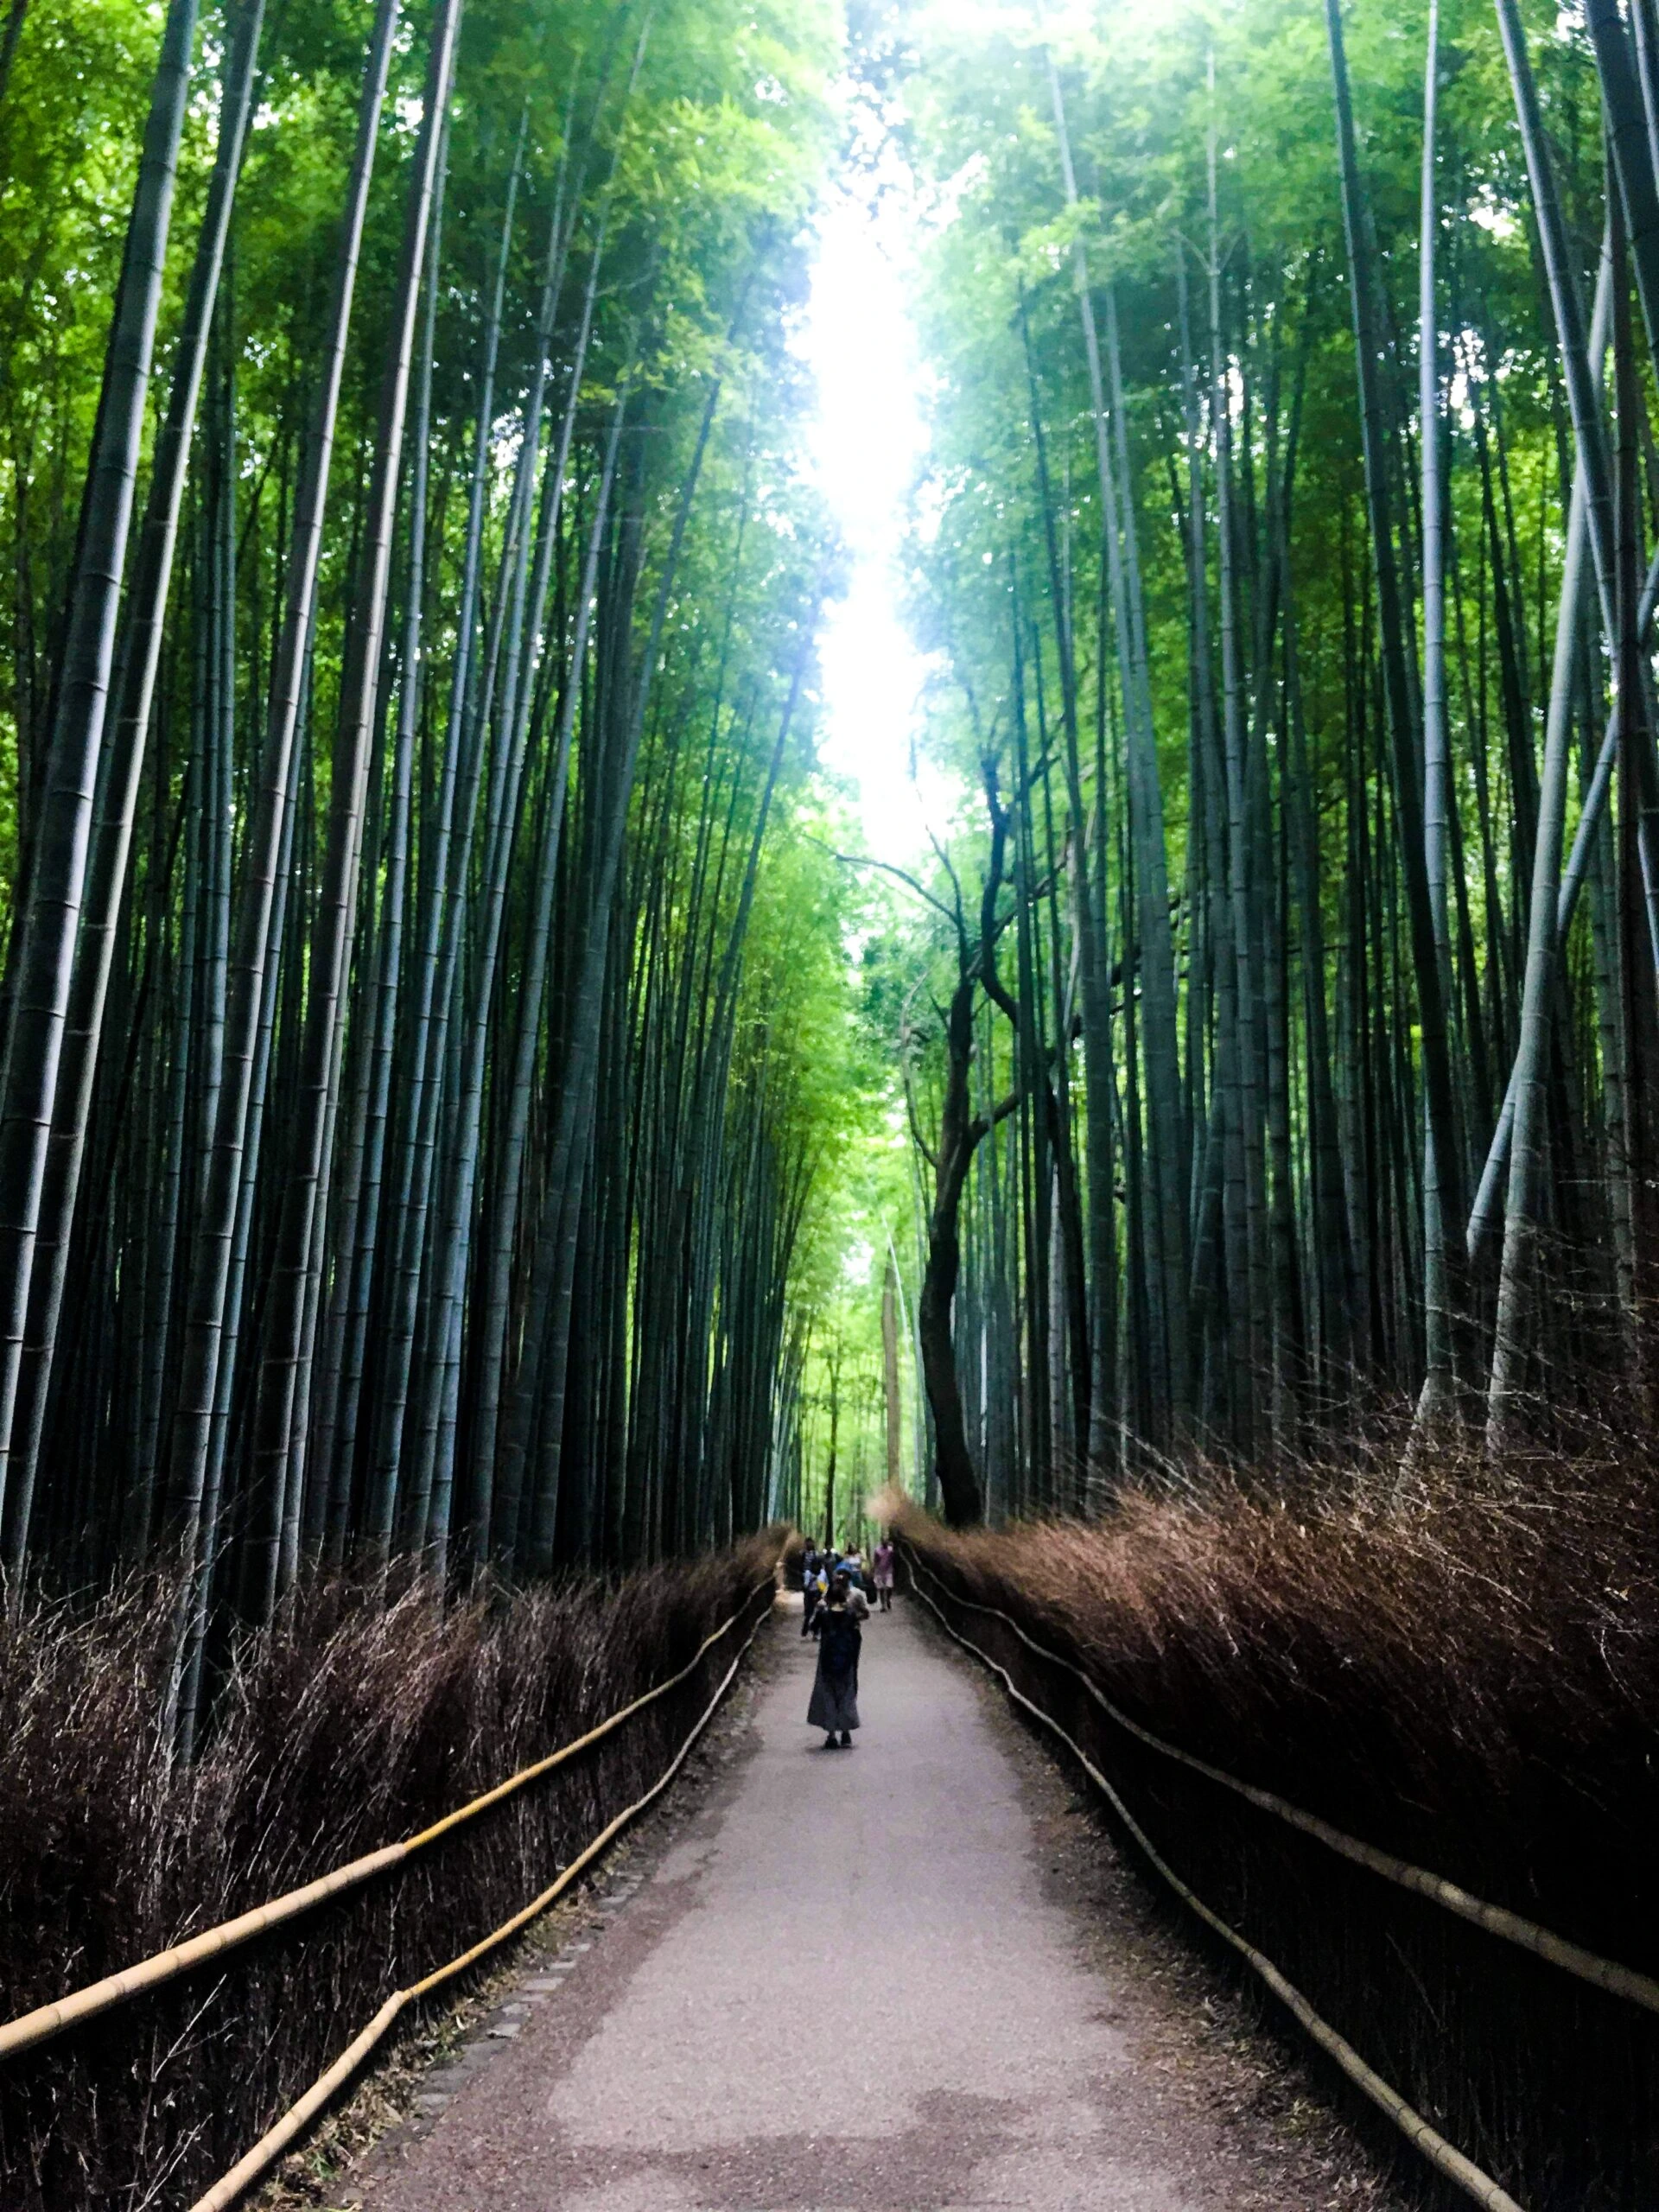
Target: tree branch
{"x": 867, "y": 860}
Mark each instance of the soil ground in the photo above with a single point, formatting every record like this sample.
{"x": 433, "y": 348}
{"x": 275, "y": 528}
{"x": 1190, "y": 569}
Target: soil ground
{"x": 915, "y": 1977}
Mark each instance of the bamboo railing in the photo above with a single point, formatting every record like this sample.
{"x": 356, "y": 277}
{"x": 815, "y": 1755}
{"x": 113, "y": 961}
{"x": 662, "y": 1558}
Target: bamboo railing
{"x": 49, "y": 2020}
{"x": 1445, "y": 2156}
{"x": 298, "y": 2117}
{"x": 1573, "y": 1958}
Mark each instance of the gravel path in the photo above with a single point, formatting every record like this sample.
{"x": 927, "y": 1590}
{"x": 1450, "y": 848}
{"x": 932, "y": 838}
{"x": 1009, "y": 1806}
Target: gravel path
{"x": 875, "y": 1980}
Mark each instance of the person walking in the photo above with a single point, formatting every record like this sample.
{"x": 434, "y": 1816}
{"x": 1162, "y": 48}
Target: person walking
{"x": 834, "y": 1685}
{"x": 881, "y": 1566}
{"x": 813, "y": 1583}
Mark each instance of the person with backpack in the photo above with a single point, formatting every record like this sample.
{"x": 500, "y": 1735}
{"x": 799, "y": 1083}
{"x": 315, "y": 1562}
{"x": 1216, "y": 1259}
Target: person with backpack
{"x": 835, "y": 1686}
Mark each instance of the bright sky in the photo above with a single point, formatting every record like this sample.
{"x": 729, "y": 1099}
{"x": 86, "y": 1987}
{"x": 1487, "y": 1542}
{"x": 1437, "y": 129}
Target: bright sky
{"x": 867, "y": 446}
{"x": 869, "y": 442}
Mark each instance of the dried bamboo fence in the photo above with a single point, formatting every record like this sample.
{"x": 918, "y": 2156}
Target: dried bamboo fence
{"x": 1519, "y": 2065}
{"x": 146, "y": 2085}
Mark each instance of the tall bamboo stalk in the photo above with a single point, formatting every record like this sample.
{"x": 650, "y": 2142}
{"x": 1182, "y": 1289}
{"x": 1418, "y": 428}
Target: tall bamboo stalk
{"x": 42, "y": 952}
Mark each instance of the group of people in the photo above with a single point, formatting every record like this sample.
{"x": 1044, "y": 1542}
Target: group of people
{"x": 834, "y": 1607}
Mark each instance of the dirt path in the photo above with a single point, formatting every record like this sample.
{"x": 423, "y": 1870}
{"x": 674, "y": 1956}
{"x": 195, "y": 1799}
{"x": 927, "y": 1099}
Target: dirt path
{"x": 873, "y": 1980}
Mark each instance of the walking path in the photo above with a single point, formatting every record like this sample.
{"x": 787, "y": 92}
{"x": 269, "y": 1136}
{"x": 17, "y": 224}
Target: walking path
{"x": 844, "y": 1985}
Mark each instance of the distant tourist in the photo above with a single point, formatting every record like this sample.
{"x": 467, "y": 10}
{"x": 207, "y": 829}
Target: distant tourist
{"x": 815, "y": 1581}
{"x": 835, "y": 1686}
{"x": 882, "y": 1567}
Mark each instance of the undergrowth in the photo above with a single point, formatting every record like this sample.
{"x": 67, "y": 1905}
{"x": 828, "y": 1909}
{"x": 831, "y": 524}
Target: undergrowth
{"x": 1460, "y": 1666}
{"x": 347, "y": 1725}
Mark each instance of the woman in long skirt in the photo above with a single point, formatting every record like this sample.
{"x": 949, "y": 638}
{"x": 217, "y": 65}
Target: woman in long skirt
{"x": 835, "y": 1688}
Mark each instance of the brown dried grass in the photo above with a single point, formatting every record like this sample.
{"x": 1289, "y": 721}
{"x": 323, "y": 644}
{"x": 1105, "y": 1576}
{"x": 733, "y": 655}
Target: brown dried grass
{"x": 345, "y": 1726}
{"x": 1460, "y": 1666}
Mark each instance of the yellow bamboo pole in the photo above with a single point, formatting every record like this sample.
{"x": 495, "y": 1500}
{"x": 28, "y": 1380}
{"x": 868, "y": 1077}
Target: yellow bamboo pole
{"x": 300, "y": 2115}
{"x": 1604, "y": 1974}
{"x": 49, "y": 2020}
{"x": 1445, "y": 2156}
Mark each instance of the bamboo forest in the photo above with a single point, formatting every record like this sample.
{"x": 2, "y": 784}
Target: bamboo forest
{"x": 781, "y": 773}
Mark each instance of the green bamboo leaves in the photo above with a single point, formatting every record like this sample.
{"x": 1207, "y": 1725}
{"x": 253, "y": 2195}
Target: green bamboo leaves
{"x": 439, "y": 662}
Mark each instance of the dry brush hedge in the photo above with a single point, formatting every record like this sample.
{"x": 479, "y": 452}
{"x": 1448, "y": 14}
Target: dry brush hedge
{"x": 345, "y": 1727}
{"x": 1461, "y": 1672}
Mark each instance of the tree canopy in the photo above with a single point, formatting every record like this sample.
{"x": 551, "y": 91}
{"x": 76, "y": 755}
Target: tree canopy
{"x": 460, "y": 1099}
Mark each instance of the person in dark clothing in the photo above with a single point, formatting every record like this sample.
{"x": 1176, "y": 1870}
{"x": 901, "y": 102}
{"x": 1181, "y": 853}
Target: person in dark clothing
{"x": 835, "y": 1686}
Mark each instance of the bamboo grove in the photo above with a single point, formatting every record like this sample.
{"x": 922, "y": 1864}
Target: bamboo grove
{"x": 1278, "y": 1018}
{"x": 427, "y": 1072}
{"x": 424, "y": 999}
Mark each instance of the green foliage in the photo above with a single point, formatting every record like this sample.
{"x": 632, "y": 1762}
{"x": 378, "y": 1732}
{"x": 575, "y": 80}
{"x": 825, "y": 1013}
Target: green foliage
{"x": 1009, "y": 577}
{"x": 682, "y": 146}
